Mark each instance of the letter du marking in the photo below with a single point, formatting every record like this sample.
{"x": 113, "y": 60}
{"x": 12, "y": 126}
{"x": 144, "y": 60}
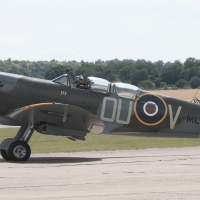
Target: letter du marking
{"x": 117, "y": 107}
{"x": 104, "y": 108}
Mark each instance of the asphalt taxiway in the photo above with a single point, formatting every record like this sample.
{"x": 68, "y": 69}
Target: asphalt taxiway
{"x": 134, "y": 174}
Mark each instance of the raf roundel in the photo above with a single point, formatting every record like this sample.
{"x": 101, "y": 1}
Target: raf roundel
{"x": 150, "y": 109}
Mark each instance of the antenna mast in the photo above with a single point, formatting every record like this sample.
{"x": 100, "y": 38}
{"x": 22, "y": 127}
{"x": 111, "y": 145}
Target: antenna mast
{"x": 195, "y": 95}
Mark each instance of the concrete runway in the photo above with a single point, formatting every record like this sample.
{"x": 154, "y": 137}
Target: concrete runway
{"x": 4, "y": 126}
{"x": 135, "y": 174}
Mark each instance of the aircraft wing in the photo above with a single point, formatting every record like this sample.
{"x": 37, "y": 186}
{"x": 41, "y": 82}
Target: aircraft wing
{"x": 58, "y": 119}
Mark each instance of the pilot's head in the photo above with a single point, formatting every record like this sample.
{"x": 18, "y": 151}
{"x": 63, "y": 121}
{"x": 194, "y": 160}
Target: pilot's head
{"x": 78, "y": 79}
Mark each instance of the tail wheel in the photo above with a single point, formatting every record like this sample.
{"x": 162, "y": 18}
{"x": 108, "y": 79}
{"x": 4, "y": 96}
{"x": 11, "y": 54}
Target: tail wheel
{"x": 5, "y": 155}
{"x": 19, "y": 151}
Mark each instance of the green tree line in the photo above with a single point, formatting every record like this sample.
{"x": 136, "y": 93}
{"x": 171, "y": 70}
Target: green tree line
{"x": 145, "y": 74}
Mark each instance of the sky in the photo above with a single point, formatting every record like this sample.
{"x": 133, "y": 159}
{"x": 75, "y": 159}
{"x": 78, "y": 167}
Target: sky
{"x": 38, "y": 30}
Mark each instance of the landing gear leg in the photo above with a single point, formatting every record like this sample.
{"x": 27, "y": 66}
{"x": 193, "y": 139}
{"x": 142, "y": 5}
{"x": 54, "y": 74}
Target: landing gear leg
{"x": 17, "y": 148}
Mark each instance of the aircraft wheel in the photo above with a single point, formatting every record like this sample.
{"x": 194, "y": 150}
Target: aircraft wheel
{"x": 5, "y": 155}
{"x": 19, "y": 151}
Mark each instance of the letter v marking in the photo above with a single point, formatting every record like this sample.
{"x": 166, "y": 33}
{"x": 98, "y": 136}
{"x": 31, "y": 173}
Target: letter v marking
{"x": 173, "y": 121}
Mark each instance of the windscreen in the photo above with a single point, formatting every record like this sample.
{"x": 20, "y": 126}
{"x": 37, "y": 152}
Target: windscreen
{"x": 62, "y": 80}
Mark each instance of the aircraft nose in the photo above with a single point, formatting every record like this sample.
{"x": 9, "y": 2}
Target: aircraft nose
{"x": 1, "y": 84}
{"x": 7, "y": 84}
{"x": 3, "y": 104}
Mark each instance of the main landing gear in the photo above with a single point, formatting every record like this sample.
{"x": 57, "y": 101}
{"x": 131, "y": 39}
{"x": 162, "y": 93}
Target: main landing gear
{"x": 17, "y": 148}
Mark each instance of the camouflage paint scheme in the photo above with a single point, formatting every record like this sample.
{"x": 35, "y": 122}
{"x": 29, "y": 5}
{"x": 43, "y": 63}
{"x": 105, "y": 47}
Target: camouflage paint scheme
{"x": 55, "y": 107}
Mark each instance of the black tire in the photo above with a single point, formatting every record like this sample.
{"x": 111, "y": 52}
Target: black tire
{"x": 19, "y": 151}
{"x": 5, "y": 155}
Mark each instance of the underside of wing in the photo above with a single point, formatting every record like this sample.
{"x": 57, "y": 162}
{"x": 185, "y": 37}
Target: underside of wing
{"x": 58, "y": 119}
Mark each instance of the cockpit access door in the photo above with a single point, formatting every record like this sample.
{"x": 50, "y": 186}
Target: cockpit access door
{"x": 79, "y": 96}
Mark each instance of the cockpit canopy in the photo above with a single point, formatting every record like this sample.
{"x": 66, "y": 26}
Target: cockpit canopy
{"x": 99, "y": 85}
{"x": 126, "y": 90}
{"x": 103, "y": 86}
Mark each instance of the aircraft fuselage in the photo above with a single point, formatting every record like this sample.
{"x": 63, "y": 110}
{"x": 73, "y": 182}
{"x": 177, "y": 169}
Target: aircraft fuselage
{"x": 119, "y": 115}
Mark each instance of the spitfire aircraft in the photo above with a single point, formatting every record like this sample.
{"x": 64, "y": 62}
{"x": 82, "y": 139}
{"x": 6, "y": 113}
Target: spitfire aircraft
{"x": 56, "y": 108}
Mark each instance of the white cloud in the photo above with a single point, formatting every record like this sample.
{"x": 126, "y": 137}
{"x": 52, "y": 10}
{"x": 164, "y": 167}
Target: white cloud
{"x": 107, "y": 29}
{"x": 62, "y": 52}
{"x": 10, "y": 40}
{"x": 58, "y": 53}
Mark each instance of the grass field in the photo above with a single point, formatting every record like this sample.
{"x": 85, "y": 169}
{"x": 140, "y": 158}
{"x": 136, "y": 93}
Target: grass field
{"x": 43, "y": 144}
{"x": 181, "y": 94}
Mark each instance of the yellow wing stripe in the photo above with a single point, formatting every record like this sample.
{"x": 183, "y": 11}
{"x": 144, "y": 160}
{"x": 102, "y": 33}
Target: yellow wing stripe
{"x": 36, "y": 105}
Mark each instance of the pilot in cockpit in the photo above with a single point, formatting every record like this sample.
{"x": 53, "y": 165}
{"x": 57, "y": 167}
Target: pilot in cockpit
{"x": 79, "y": 82}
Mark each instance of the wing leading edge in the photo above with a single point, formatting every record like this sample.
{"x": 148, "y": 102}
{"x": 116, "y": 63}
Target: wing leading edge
{"x": 58, "y": 119}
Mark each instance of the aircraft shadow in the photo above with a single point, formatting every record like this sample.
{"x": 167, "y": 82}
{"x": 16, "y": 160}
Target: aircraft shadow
{"x": 56, "y": 160}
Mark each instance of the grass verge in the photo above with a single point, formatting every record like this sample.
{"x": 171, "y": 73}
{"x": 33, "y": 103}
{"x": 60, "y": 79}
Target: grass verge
{"x": 43, "y": 143}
